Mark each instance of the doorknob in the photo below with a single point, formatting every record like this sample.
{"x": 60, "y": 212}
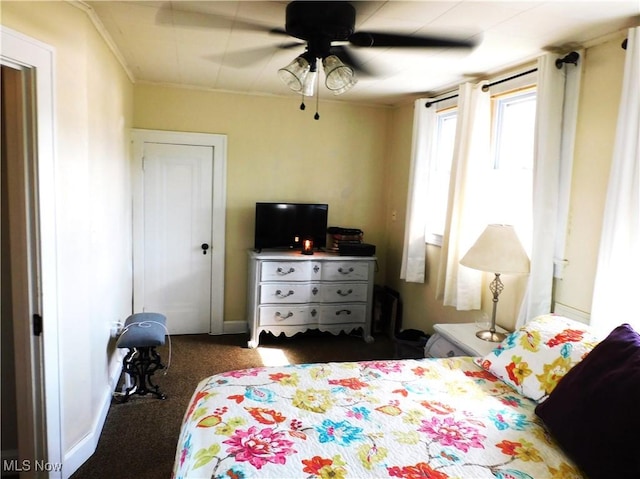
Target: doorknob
{"x": 204, "y": 247}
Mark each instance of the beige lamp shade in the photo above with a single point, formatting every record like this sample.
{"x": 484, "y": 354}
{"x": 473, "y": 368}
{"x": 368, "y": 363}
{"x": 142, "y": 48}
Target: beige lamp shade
{"x": 497, "y": 250}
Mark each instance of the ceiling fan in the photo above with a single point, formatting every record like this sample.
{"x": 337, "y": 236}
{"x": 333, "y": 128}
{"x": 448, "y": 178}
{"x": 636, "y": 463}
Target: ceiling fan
{"x": 328, "y": 28}
{"x": 327, "y": 31}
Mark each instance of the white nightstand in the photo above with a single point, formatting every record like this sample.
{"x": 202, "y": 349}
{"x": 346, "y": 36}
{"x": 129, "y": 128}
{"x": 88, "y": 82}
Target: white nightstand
{"x": 458, "y": 340}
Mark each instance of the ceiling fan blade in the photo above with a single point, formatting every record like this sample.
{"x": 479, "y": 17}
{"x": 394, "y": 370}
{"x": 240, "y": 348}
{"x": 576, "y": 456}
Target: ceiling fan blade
{"x": 168, "y": 15}
{"x": 249, "y": 56}
{"x": 242, "y": 58}
{"x": 278, "y": 31}
{"x": 351, "y": 59}
{"x": 378, "y": 39}
{"x": 288, "y": 46}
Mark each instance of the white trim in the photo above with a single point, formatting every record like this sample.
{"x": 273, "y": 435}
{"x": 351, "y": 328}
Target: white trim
{"x": 31, "y": 53}
{"x": 104, "y": 33}
{"x": 85, "y": 447}
{"x": 244, "y": 94}
{"x": 434, "y": 239}
{"x": 571, "y": 313}
{"x": 235, "y": 327}
{"x": 573, "y": 80}
{"x": 219, "y": 145}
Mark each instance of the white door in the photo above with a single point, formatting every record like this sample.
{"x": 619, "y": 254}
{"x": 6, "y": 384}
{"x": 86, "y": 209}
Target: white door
{"x": 177, "y": 234}
{"x": 179, "y": 229}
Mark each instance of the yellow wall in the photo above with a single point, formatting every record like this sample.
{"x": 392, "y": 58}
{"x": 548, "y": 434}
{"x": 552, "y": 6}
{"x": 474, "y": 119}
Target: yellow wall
{"x": 421, "y": 310}
{"x": 275, "y": 152}
{"x": 94, "y": 108}
{"x": 599, "y": 102}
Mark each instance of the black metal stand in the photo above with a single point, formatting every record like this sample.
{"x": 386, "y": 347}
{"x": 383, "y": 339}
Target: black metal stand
{"x": 141, "y": 364}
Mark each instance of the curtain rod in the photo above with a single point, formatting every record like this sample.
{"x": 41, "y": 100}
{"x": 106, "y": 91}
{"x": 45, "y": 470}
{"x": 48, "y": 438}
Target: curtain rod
{"x": 429, "y": 103}
{"x": 489, "y": 85}
{"x": 484, "y": 87}
{"x": 569, "y": 58}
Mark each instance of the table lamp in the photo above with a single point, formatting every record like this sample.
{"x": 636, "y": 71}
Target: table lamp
{"x": 497, "y": 250}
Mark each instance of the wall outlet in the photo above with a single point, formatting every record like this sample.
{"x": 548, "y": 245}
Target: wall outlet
{"x": 116, "y": 328}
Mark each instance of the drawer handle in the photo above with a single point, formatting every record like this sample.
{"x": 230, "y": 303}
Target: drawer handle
{"x": 314, "y": 291}
{"x": 316, "y": 268}
{"x": 280, "y": 295}
{"x": 282, "y": 318}
{"x": 283, "y": 272}
{"x": 344, "y": 293}
{"x": 342, "y": 271}
{"x": 342, "y": 311}
{"x": 313, "y": 313}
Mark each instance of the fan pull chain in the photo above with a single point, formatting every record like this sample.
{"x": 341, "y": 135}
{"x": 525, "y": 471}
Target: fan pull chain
{"x": 317, "y": 115}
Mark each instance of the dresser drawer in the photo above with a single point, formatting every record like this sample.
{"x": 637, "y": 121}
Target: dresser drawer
{"x": 342, "y": 313}
{"x": 341, "y": 292}
{"x": 288, "y": 315}
{"x": 440, "y": 347}
{"x": 290, "y": 271}
{"x": 289, "y": 293}
{"x": 345, "y": 271}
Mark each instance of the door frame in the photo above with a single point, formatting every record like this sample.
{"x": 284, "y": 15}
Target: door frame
{"x": 19, "y": 50}
{"x": 219, "y": 145}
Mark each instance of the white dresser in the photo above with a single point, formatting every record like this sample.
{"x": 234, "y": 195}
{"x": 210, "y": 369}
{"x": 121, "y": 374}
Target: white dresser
{"x": 289, "y": 292}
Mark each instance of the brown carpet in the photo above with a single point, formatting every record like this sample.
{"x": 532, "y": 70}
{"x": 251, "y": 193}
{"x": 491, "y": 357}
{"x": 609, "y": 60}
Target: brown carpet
{"x": 139, "y": 437}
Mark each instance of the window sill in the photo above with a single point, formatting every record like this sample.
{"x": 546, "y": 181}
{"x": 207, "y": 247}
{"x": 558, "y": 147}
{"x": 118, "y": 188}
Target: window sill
{"x": 433, "y": 239}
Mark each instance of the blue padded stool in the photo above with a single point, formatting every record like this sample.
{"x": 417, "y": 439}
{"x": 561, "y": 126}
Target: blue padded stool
{"x": 141, "y": 334}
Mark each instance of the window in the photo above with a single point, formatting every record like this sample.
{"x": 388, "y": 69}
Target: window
{"x": 510, "y": 180}
{"x": 510, "y": 174}
{"x": 440, "y": 173}
{"x": 514, "y": 124}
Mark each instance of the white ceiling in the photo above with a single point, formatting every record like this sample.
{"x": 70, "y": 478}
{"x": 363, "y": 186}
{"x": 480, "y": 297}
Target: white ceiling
{"x": 209, "y": 45}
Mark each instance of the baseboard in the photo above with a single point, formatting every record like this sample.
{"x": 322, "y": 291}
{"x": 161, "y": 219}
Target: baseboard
{"x": 84, "y": 449}
{"x": 234, "y": 327}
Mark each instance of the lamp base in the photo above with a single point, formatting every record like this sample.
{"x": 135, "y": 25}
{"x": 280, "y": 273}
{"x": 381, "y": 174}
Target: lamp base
{"x": 494, "y": 336}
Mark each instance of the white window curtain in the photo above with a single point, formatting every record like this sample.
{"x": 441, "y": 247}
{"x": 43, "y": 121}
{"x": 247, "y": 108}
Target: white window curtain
{"x": 556, "y": 116}
{"x": 458, "y": 285}
{"x": 414, "y": 251}
{"x": 615, "y": 297}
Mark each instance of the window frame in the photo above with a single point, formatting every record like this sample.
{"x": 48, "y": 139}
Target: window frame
{"x": 442, "y": 115}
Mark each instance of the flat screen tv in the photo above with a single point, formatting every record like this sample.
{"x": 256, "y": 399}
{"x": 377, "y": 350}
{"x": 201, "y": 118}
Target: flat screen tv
{"x": 286, "y": 225}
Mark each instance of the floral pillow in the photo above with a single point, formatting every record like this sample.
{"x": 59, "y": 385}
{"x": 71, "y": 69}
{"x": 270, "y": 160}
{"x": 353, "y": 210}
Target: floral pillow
{"x": 534, "y": 358}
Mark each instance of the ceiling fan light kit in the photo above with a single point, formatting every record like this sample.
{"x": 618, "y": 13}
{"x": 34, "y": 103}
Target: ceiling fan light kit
{"x": 309, "y": 83}
{"x": 319, "y": 24}
{"x": 339, "y": 77}
{"x": 300, "y": 75}
{"x": 294, "y": 74}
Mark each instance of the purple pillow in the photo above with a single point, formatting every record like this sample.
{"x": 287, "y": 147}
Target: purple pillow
{"x": 594, "y": 411}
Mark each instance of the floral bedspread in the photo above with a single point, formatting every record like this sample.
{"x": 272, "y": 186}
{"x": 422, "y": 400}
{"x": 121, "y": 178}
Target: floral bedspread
{"x": 426, "y": 418}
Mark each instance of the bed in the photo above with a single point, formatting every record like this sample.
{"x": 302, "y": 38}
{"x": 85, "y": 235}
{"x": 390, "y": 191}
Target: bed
{"x": 458, "y": 417}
